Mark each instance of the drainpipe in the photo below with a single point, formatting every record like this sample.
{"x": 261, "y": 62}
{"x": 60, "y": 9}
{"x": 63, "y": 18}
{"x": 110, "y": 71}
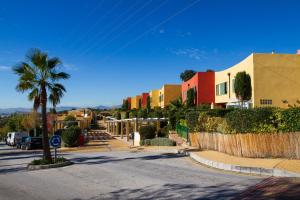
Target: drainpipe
{"x": 229, "y": 85}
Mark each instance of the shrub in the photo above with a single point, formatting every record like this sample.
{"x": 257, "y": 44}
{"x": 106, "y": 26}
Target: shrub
{"x": 258, "y": 120}
{"x": 40, "y": 162}
{"x": 212, "y": 124}
{"x": 192, "y": 120}
{"x": 162, "y": 142}
{"x": 126, "y": 115}
{"x": 142, "y": 113}
{"x": 203, "y": 107}
{"x": 117, "y": 115}
{"x": 70, "y": 136}
{"x": 289, "y": 120}
{"x": 157, "y": 113}
{"x": 172, "y": 119}
{"x": 223, "y": 127}
{"x": 163, "y": 132}
{"x": 218, "y": 112}
{"x": 147, "y": 132}
{"x": 190, "y": 99}
{"x": 202, "y": 120}
{"x": 146, "y": 142}
{"x": 133, "y": 114}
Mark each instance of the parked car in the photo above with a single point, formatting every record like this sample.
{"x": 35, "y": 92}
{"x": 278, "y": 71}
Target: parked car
{"x": 14, "y": 137}
{"x": 32, "y": 143}
{"x": 20, "y": 142}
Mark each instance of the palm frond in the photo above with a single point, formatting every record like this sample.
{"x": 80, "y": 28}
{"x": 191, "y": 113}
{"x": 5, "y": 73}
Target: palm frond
{"x": 58, "y": 76}
{"x": 53, "y": 62}
{"x": 24, "y": 86}
{"x": 33, "y": 94}
{"x": 38, "y": 58}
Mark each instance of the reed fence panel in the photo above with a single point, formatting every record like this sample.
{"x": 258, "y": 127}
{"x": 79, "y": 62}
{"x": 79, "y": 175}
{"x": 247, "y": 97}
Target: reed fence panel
{"x": 276, "y": 145}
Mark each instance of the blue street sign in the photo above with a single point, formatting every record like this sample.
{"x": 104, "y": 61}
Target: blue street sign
{"x": 55, "y": 141}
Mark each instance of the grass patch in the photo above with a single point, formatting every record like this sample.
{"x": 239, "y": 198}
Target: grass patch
{"x": 158, "y": 142}
{"x": 45, "y": 162}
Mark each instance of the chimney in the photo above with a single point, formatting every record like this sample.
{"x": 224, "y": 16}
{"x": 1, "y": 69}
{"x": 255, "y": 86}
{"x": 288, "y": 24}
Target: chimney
{"x": 298, "y": 51}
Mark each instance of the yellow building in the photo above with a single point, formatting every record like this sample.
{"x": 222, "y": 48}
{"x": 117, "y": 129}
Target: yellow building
{"x": 275, "y": 80}
{"x": 154, "y": 98}
{"x": 84, "y": 118}
{"x": 168, "y": 93}
{"x": 136, "y": 102}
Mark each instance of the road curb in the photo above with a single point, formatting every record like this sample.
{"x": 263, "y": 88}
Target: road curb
{"x": 240, "y": 169}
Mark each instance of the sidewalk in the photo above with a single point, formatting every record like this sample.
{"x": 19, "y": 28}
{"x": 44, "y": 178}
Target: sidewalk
{"x": 275, "y": 167}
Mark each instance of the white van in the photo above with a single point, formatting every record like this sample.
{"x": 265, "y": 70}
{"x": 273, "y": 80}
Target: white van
{"x": 14, "y": 137}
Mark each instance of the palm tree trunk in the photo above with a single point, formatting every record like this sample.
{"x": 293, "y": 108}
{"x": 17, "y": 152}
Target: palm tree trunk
{"x": 46, "y": 148}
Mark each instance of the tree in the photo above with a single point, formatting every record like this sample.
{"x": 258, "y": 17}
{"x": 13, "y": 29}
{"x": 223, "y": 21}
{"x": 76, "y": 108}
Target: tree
{"x": 140, "y": 103}
{"x": 190, "y": 98}
{"x": 40, "y": 76}
{"x": 148, "y": 103}
{"x": 187, "y": 75}
{"x": 125, "y": 104}
{"x": 176, "y": 104}
{"x": 31, "y": 121}
{"x": 242, "y": 87}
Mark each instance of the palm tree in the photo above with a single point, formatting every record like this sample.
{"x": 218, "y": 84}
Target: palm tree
{"x": 39, "y": 75}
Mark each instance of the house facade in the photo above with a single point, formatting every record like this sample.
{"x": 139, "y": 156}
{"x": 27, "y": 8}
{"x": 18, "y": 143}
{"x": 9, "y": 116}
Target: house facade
{"x": 144, "y": 97}
{"x": 168, "y": 93}
{"x": 274, "y": 79}
{"x": 203, "y": 84}
{"x": 154, "y": 98}
{"x": 136, "y": 102}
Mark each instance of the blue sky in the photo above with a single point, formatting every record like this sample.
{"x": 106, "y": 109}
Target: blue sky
{"x": 119, "y": 48}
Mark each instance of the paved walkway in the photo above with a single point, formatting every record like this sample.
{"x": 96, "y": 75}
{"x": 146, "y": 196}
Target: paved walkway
{"x": 283, "y": 164}
{"x": 102, "y": 143}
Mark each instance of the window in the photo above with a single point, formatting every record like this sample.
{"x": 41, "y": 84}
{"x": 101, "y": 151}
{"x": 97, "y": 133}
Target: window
{"x": 221, "y": 89}
{"x": 266, "y": 102}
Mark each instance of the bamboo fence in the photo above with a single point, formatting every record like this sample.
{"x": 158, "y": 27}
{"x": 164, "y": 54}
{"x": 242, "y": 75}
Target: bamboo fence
{"x": 275, "y": 145}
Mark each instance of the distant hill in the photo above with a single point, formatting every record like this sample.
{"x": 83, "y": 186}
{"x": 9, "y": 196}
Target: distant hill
{"x": 27, "y": 110}
{"x": 107, "y": 107}
{"x": 58, "y": 109}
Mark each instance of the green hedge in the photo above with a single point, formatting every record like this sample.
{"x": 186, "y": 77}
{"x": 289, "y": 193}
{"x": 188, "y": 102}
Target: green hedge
{"x": 258, "y": 120}
{"x": 160, "y": 141}
{"x": 70, "y": 136}
{"x": 289, "y": 120}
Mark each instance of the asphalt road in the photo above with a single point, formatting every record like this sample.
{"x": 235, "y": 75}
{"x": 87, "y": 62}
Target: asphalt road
{"x": 116, "y": 175}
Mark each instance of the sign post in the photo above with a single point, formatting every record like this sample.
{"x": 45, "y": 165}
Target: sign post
{"x": 55, "y": 142}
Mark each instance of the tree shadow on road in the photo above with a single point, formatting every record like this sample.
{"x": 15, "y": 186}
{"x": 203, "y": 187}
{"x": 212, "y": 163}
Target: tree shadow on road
{"x": 106, "y": 159}
{"x": 273, "y": 188}
{"x": 12, "y": 170}
{"x": 173, "y": 191}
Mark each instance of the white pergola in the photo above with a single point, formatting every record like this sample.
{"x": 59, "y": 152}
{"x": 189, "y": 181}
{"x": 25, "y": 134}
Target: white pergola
{"x": 117, "y": 127}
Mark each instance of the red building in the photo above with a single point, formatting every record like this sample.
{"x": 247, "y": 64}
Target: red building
{"x": 204, "y": 85}
{"x": 129, "y": 103}
{"x": 144, "y": 99}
